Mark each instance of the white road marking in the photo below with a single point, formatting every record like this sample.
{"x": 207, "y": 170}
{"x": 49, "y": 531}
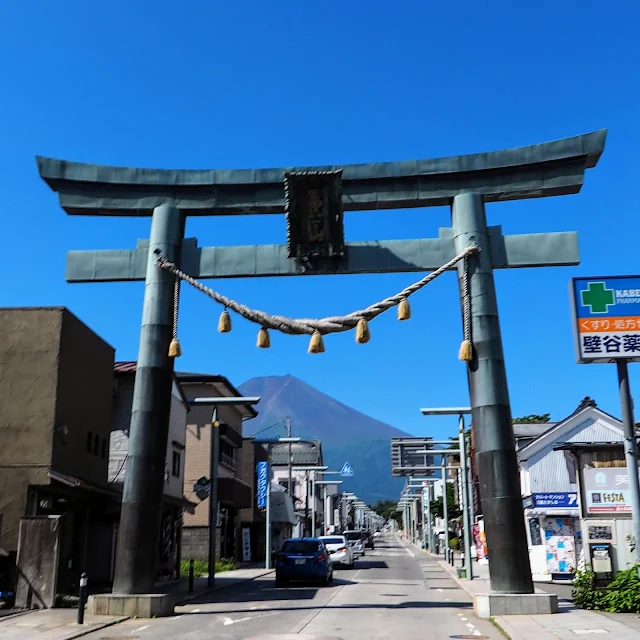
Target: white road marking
{"x": 196, "y": 611}
{"x": 413, "y": 555}
{"x": 471, "y": 626}
{"x": 176, "y": 618}
{"x": 476, "y": 632}
{"x": 228, "y": 621}
{"x": 146, "y": 626}
{"x": 585, "y": 631}
{"x": 463, "y": 619}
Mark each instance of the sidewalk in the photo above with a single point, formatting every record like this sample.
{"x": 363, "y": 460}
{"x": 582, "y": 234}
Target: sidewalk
{"x": 570, "y": 622}
{"x": 60, "y": 624}
{"x": 224, "y": 580}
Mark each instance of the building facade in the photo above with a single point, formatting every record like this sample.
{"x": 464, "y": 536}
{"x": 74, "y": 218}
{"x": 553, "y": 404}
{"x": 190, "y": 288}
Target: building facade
{"x": 550, "y": 487}
{"x": 234, "y": 493}
{"x": 56, "y": 395}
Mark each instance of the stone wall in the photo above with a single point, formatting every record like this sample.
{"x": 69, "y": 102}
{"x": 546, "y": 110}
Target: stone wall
{"x": 195, "y": 543}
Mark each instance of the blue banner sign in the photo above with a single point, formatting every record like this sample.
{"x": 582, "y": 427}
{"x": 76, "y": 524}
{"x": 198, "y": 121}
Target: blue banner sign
{"x": 263, "y": 480}
{"x": 555, "y": 500}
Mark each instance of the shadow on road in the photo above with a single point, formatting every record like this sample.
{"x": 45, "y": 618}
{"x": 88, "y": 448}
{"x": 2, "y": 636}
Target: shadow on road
{"x": 371, "y": 564}
{"x": 359, "y": 606}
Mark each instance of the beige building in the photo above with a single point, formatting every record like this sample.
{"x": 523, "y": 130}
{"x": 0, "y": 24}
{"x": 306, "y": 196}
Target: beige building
{"x": 233, "y": 493}
{"x": 56, "y": 393}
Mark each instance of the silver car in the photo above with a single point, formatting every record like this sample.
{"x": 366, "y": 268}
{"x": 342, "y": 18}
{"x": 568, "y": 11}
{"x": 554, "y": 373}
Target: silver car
{"x": 339, "y": 550}
{"x": 354, "y": 538}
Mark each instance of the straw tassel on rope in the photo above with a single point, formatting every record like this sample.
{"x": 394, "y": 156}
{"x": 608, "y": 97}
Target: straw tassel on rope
{"x": 362, "y": 332}
{"x": 224, "y": 322}
{"x": 175, "y": 351}
{"x": 264, "y": 342}
{"x": 466, "y": 348}
{"x": 404, "y": 310}
{"x": 316, "y": 344}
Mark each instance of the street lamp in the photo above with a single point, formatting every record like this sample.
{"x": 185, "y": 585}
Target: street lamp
{"x": 214, "y": 449}
{"x": 461, "y": 412}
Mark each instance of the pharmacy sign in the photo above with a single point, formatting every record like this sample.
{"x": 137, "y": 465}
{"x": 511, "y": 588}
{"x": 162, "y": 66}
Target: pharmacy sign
{"x": 606, "y": 318}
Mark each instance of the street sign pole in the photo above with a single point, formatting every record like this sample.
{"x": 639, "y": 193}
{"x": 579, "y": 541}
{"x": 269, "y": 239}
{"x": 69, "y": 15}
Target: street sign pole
{"x": 630, "y": 452}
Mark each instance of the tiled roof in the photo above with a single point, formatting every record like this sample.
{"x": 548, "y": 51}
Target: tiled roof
{"x": 125, "y": 367}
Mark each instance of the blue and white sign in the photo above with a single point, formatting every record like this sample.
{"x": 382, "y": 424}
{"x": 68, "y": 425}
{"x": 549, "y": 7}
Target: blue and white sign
{"x": 347, "y": 470}
{"x": 555, "y": 500}
{"x": 263, "y": 481}
{"x": 606, "y": 318}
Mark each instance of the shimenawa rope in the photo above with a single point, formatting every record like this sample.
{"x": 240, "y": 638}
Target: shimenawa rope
{"x": 332, "y": 324}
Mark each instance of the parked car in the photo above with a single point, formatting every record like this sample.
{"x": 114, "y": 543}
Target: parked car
{"x": 368, "y": 539}
{"x": 354, "y": 538}
{"x": 303, "y": 559}
{"x": 339, "y": 550}
{"x": 377, "y": 533}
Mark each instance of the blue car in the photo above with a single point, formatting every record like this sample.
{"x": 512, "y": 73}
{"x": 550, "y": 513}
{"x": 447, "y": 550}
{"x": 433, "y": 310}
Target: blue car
{"x": 303, "y": 559}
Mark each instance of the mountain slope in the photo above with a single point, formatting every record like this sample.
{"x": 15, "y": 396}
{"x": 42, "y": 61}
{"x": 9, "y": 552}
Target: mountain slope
{"x": 346, "y": 434}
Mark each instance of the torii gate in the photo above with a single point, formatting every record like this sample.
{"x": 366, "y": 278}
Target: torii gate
{"x": 316, "y": 247}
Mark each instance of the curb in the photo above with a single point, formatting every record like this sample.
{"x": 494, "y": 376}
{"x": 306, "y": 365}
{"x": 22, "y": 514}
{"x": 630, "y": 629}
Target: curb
{"x": 10, "y": 616}
{"x": 97, "y": 627}
{"x": 222, "y": 588}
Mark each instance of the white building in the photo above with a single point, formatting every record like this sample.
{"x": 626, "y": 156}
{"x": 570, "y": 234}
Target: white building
{"x": 549, "y": 483}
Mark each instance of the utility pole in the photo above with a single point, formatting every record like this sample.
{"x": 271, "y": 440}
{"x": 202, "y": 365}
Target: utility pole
{"x": 464, "y": 488}
{"x": 445, "y": 508}
{"x": 287, "y": 422}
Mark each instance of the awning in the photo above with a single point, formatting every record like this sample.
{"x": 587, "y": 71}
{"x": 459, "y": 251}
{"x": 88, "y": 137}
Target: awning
{"x": 281, "y": 505}
{"x": 235, "y": 493}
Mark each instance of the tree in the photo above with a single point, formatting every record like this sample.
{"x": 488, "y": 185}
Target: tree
{"x": 453, "y": 509}
{"x": 387, "y": 509}
{"x": 533, "y": 419}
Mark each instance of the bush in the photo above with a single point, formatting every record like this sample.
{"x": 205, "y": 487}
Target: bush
{"x": 621, "y": 596}
{"x": 585, "y": 594}
{"x": 201, "y": 567}
{"x": 226, "y": 564}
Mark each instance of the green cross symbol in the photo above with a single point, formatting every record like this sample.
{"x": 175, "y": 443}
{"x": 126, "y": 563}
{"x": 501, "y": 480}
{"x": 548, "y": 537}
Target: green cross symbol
{"x": 598, "y": 297}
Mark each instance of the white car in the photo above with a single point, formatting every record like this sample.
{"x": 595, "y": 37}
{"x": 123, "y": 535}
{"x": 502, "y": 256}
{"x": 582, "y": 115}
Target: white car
{"x": 339, "y": 550}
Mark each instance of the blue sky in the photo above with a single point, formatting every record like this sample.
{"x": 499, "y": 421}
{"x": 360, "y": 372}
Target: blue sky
{"x": 254, "y": 84}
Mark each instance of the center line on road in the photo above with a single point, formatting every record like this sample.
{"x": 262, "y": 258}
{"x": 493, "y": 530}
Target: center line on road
{"x": 146, "y": 626}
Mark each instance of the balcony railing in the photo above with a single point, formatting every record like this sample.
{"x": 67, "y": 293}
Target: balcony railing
{"x": 227, "y": 461}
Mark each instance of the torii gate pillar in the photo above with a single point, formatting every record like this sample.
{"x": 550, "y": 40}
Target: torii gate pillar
{"x": 509, "y": 566}
{"x": 149, "y": 428}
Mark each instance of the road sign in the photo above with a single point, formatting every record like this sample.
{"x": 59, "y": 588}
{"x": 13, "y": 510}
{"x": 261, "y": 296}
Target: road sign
{"x": 606, "y": 318}
{"x": 263, "y": 479}
{"x": 347, "y": 470}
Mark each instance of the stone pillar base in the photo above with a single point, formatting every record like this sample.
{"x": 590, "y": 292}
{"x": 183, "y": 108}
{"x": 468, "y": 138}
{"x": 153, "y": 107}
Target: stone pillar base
{"x": 507, "y": 604}
{"x": 140, "y": 605}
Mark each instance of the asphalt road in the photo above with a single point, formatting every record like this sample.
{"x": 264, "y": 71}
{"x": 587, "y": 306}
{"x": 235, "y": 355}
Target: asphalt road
{"x": 390, "y": 593}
